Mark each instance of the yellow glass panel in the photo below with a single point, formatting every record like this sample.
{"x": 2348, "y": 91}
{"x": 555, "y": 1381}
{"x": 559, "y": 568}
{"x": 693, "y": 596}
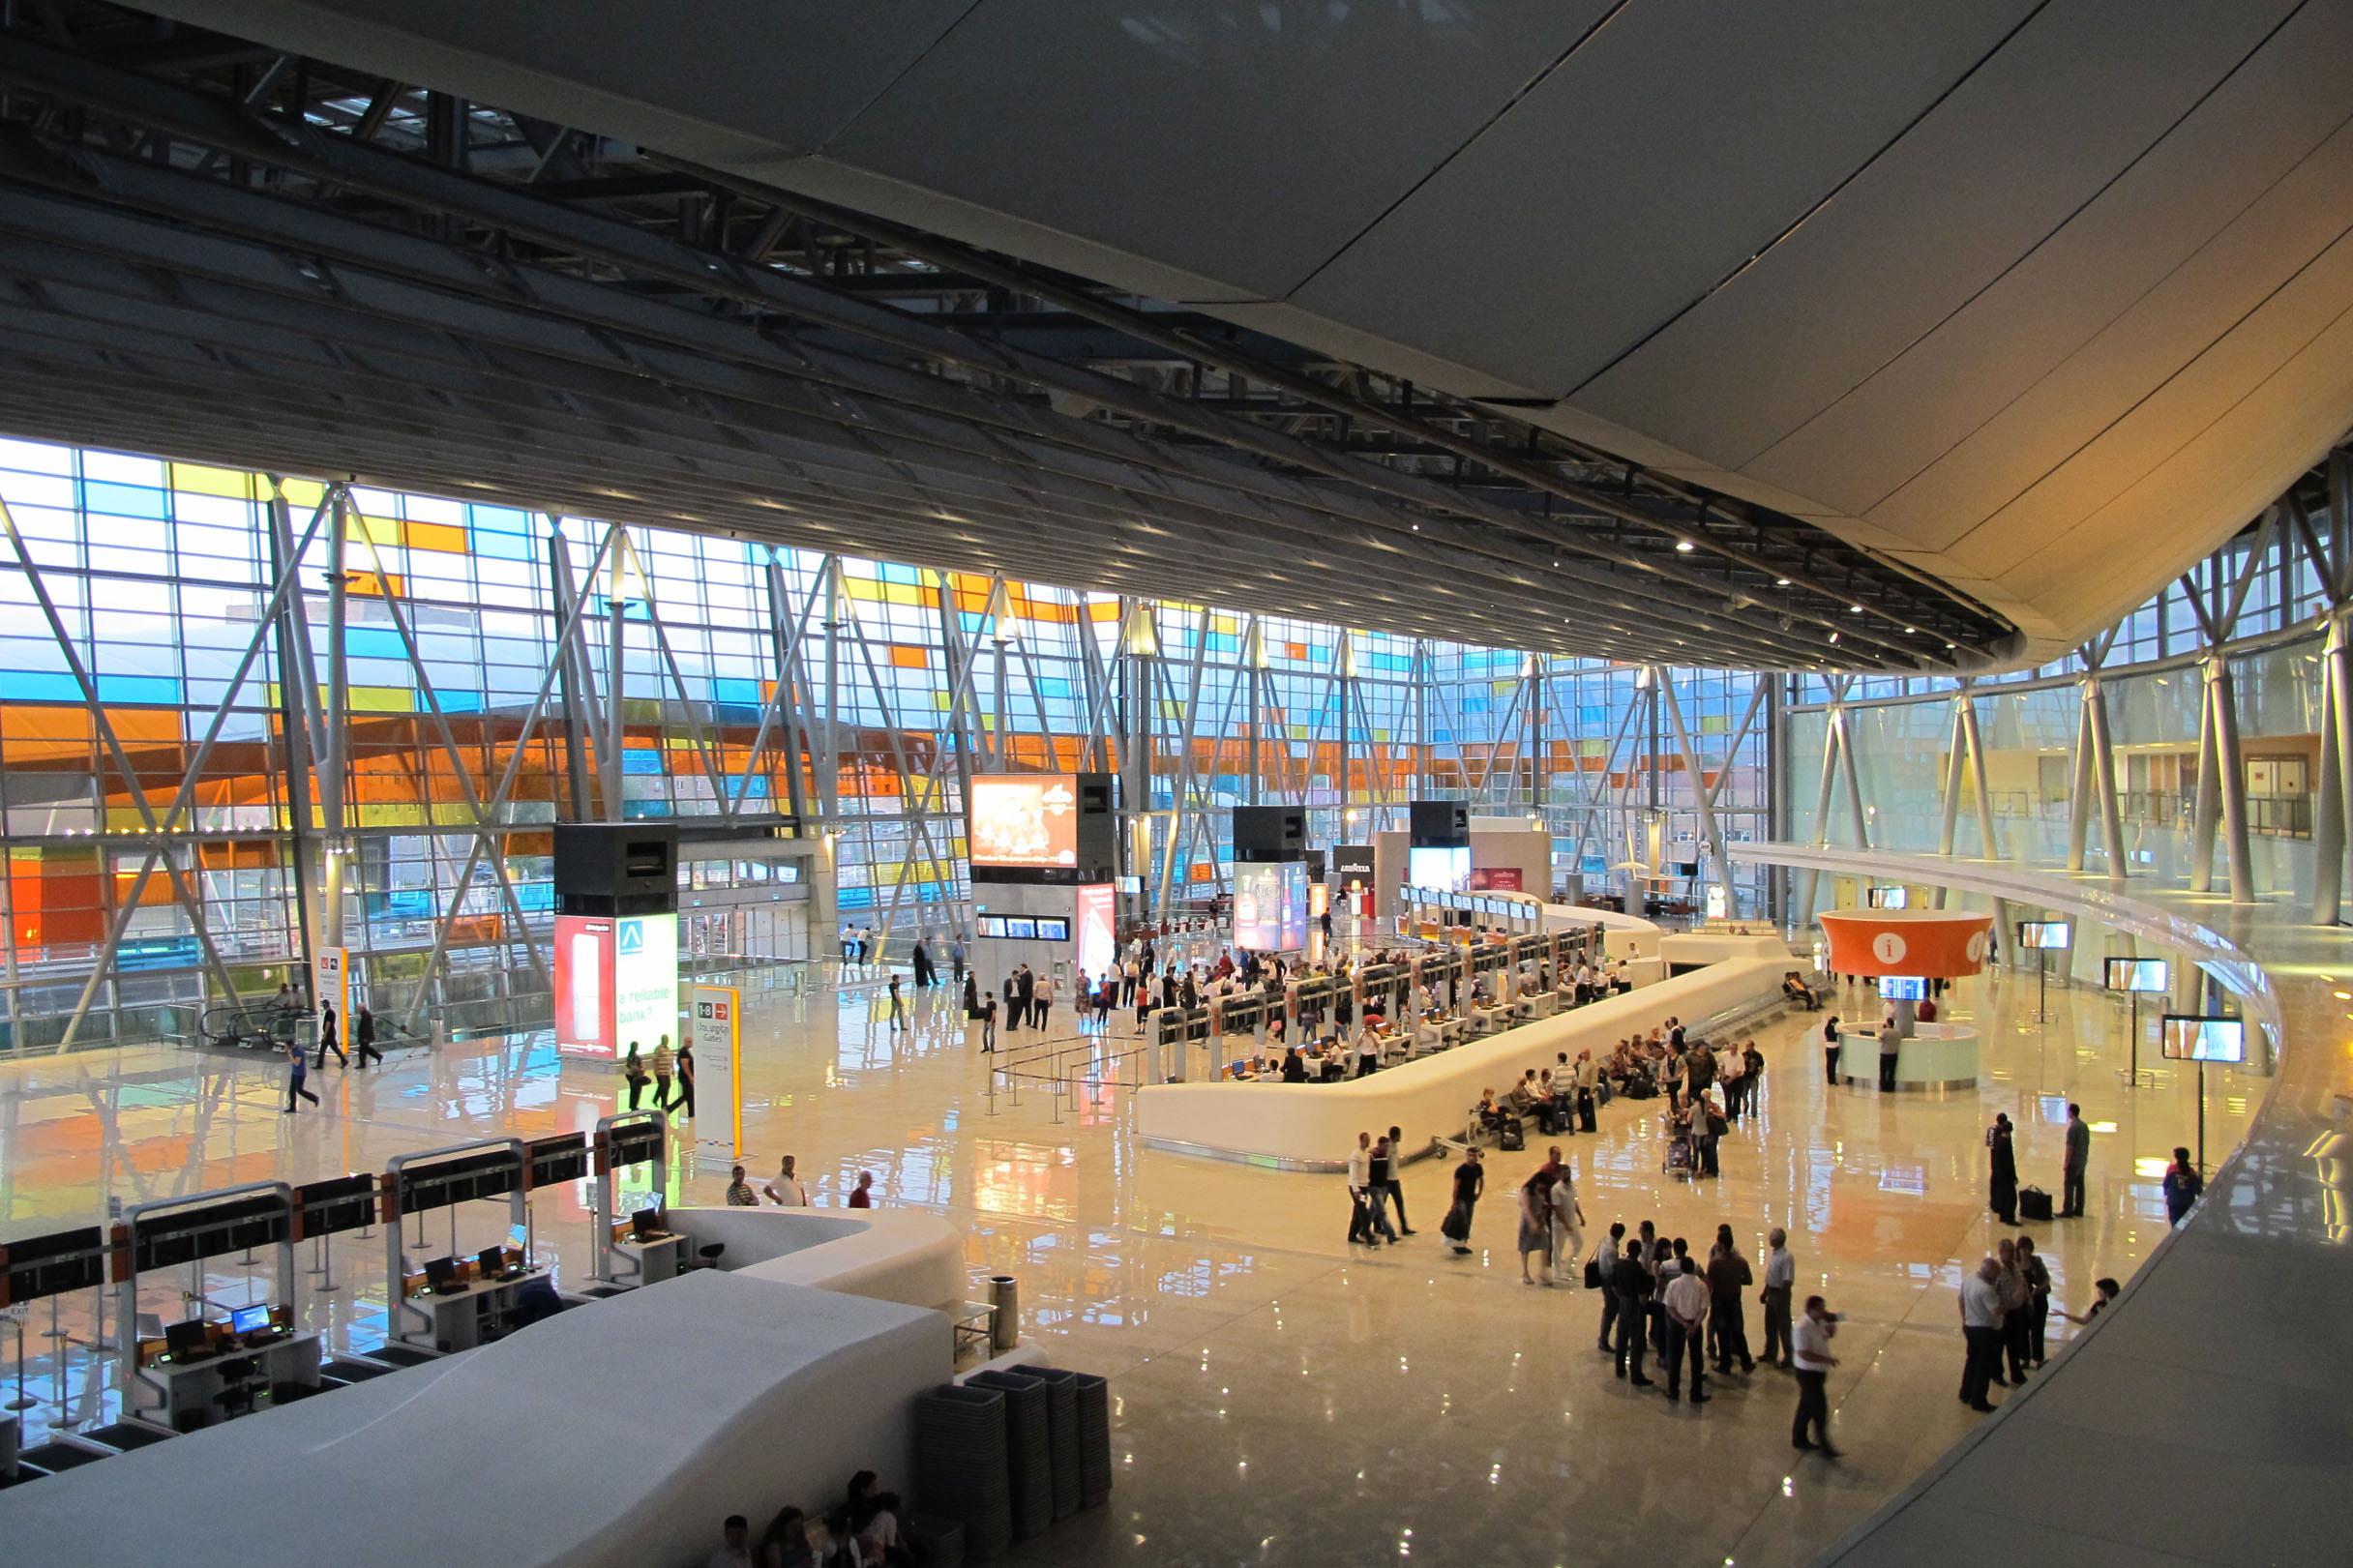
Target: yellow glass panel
{"x": 229, "y": 482}
{"x": 381, "y": 531}
{"x": 383, "y": 700}
{"x": 863, "y": 588}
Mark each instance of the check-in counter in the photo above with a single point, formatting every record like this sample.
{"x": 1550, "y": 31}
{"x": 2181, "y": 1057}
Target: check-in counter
{"x": 1312, "y": 1126}
{"x": 1938, "y": 1058}
{"x": 185, "y": 1395}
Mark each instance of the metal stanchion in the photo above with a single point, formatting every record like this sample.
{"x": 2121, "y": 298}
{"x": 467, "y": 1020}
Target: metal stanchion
{"x": 325, "y": 1265}
{"x": 22, "y": 1401}
{"x": 1055, "y": 1067}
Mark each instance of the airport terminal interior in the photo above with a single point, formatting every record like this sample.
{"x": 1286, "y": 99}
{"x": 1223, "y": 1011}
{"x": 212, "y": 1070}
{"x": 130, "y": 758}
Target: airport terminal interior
{"x": 981, "y": 781}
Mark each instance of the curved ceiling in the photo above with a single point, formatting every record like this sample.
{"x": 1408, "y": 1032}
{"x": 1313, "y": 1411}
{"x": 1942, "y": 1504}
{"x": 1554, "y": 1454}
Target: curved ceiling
{"x": 2042, "y": 299}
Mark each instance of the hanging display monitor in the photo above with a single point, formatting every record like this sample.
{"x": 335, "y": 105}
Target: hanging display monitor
{"x": 2191, "y": 1038}
{"x": 2049, "y": 935}
{"x": 1026, "y": 820}
{"x": 1890, "y": 896}
{"x": 2143, "y": 975}
{"x": 1903, "y": 988}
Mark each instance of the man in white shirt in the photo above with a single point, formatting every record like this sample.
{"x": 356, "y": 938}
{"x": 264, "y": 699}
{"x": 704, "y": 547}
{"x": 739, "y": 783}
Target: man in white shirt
{"x": 1815, "y": 1363}
{"x": 1567, "y": 1223}
{"x": 737, "y": 1553}
{"x": 787, "y": 1190}
{"x": 1781, "y": 1279}
{"x": 1686, "y": 1304}
{"x": 1360, "y": 1191}
{"x": 1981, "y": 1331}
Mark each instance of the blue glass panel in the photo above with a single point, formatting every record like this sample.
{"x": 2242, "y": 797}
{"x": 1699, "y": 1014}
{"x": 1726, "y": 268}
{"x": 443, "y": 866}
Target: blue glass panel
{"x": 128, "y": 500}
{"x": 374, "y": 643}
{"x": 640, "y": 760}
{"x": 736, "y": 690}
{"x": 458, "y": 700}
{"x": 130, "y": 689}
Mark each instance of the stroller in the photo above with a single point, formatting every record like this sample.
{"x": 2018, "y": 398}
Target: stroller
{"x": 1681, "y": 1158}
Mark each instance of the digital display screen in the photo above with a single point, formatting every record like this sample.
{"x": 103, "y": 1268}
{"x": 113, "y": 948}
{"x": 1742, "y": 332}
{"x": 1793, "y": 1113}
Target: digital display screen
{"x": 1270, "y": 907}
{"x": 249, "y": 1320}
{"x": 2139, "y": 974}
{"x": 1903, "y": 988}
{"x": 2050, "y": 936}
{"x": 2191, "y": 1039}
{"x": 1053, "y": 929}
{"x": 585, "y": 1023}
{"x": 1889, "y": 898}
{"x": 1445, "y": 869}
{"x": 1098, "y": 927}
{"x": 645, "y": 979}
{"x": 1027, "y": 819}
{"x": 1021, "y": 928}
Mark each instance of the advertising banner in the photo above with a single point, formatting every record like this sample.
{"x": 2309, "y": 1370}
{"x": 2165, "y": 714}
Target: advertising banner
{"x": 1270, "y": 907}
{"x": 583, "y": 985}
{"x": 1494, "y": 878}
{"x": 1025, "y": 820}
{"x": 1098, "y": 927}
{"x": 645, "y": 979}
{"x": 331, "y": 986}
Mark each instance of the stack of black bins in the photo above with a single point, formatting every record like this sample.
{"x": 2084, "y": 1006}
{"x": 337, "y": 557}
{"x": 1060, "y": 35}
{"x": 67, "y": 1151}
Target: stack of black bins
{"x": 961, "y": 1464}
{"x": 1079, "y": 1408}
{"x": 1029, "y": 1449}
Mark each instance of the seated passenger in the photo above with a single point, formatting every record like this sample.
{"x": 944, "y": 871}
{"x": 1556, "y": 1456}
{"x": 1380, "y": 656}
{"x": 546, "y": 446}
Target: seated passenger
{"x": 1294, "y": 1070}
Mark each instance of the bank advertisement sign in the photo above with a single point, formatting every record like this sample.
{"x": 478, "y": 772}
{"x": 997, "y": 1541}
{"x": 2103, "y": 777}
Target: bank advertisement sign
{"x": 645, "y": 980}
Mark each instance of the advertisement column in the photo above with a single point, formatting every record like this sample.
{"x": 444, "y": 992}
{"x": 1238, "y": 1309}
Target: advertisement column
{"x": 717, "y": 1013}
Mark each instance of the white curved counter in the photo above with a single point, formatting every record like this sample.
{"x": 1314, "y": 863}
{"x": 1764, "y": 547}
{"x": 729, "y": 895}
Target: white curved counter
{"x": 888, "y": 1255}
{"x": 1313, "y": 1126}
{"x": 1939, "y": 1058}
{"x": 707, "y": 1395}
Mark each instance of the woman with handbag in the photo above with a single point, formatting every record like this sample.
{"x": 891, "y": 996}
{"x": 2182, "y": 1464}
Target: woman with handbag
{"x": 1536, "y": 1223}
{"x": 634, "y": 1073}
{"x": 1469, "y": 1181}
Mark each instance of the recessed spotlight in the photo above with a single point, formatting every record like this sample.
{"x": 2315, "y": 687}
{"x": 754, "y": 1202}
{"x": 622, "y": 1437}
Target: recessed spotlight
{"x": 1834, "y": 637}
{"x": 1781, "y": 582}
{"x": 1853, "y": 609}
{"x": 1911, "y": 630}
{"x": 1685, "y": 547}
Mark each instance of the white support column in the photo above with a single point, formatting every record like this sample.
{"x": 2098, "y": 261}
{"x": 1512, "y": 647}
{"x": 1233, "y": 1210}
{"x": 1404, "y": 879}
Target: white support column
{"x": 1989, "y": 844}
{"x": 2103, "y": 779}
{"x": 334, "y": 763}
{"x": 2079, "y": 779}
{"x": 1949, "y": 826}
{"x": 1664, "y": 680}
{"x": 2207, "y": 805}
{"x": 2237, "y": 849}
{"x": 2329, "y": 809}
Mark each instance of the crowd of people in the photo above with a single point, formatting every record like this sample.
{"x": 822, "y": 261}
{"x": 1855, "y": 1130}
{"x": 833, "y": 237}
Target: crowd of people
{"x": 2006, "y": 1308}
{"x": 787, "y": 1190}
{"x": 861, "y": 1531}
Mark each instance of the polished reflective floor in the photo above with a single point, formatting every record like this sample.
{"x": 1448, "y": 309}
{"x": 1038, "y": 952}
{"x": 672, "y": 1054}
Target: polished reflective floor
{"x": 1280, "y": 1397}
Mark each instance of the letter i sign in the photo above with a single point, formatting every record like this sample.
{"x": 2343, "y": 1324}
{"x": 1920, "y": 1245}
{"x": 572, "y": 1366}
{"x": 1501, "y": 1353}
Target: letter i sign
{"x": 1888, "y": 947}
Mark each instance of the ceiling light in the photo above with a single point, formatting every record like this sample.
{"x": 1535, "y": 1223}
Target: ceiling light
{"x": 1781, "y": 582}
{"x": 1834, "y": 637}
{"x": 1911, "y": 630}
{"x": 1853, "y": 609}
{"x": 1685, "y": 547}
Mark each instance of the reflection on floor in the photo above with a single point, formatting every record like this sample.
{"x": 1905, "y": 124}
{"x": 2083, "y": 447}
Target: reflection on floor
{"x": 1278, "y": 1398}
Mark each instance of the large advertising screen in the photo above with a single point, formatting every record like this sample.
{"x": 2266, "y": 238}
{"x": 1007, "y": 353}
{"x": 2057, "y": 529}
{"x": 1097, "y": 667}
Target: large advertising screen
{"x": 645, "y": 980}
{"x": 2191, "y": 1039}
{"x": 1098, "y": 927}
{"x": 583, "y": 985}
{"x": 1026, "y": 820}
{"x": 1445, "y": 869}
{"x": 1270, "y": 907}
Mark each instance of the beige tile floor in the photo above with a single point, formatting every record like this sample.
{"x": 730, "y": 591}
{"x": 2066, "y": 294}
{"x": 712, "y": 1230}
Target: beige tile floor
{"x": 1278, "y": 1398}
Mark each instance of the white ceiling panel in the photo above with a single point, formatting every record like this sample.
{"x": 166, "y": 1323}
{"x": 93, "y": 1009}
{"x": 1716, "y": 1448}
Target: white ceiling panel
{"x": 1663, "y": 154}
{"x": 2167, "y": 328}
{"x": 2254, "y": 129}
{"x": 1244, "y": 142}
{"x": 2175, "y": 421}
{"x": 1984, "y": 177}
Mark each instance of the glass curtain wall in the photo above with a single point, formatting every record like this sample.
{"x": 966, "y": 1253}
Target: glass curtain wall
{"x": 486, "y": 671}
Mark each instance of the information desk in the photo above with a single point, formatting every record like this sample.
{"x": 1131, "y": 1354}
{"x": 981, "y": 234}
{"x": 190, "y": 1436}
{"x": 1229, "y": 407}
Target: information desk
{"x": 472, "y": 1310}
{"x": 185, "y": 1395}
{"x": 1939, "y": 1058}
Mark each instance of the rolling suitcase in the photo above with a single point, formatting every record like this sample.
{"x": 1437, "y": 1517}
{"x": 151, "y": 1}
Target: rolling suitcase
{"x": 2033, "y": 1205}
{"x": 1510, "y": 1137}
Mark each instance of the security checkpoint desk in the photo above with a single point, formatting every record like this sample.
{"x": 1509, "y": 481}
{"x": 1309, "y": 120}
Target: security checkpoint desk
{"x": 473, "y": 1314}
{"x": 187, "y": 1394}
